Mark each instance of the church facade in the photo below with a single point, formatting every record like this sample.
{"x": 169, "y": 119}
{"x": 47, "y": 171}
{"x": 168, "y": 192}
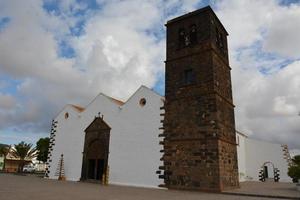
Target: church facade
{"x": 125, "y": 141}
{"x": 185, "y": 140}
{"x": 134, "y": 153}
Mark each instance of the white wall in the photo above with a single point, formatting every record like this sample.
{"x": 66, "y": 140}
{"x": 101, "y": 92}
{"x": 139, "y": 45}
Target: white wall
{"x": 134, "y": 144}
{"x": 241, "y": 154}
{"x": 258, "y": 152}
{"x": 134, "y": 151}
{"x": 69, "y": 142}
{"x": 252, "y": 154}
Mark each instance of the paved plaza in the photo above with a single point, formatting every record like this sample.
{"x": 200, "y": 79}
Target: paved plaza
{"x": 15, "y": 187}
{"x": 268, "y": 188}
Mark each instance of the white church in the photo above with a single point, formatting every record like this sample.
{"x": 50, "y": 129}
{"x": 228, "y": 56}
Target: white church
{"x": 134, "y": 149}
{"x": 114, "y": 142}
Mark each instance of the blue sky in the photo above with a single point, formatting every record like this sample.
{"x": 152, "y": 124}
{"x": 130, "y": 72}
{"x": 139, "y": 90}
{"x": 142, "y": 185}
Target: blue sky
{"x": 57, "y": 52}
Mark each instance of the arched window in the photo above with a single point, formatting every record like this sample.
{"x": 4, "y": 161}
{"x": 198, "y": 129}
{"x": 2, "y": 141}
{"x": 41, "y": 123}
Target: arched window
{"x": 193, "y": 34}
{"x": 219, "y": 39}
{"x": 181, "y": 38}
{"x": 189, "y": 77}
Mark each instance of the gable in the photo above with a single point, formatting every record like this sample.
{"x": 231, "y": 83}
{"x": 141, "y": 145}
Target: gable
{"x": 97, "y": 124}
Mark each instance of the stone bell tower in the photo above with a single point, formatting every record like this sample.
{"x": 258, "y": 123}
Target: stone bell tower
{"x": 199, "y": 142}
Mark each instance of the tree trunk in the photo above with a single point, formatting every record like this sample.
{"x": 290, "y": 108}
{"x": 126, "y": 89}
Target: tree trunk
{"x": 4, "y": 160}
{"x": 22, "y": 163}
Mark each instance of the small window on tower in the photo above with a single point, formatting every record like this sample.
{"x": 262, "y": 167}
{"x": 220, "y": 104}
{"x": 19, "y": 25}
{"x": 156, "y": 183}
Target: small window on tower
{"x": 189, "y": 77}
{"x": 219, "y": 39}
{"x": 193, "y": 34}
{"x": 181, "y": 38}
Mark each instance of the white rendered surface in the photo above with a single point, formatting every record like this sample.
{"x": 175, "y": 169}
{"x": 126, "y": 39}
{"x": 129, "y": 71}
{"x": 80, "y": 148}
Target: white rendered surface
{"x": 253, "y": 154}
{"x": 260, "y": 152}
{"x": 241, "y": 156}
{"x": 134, "y": 143}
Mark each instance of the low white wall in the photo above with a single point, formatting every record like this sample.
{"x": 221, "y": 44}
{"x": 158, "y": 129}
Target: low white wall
{"x": 259, "y": 152}
{"x": 241, "y": 154}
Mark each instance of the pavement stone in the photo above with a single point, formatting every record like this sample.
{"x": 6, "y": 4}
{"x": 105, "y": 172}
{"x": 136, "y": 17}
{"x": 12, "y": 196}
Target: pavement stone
{"x": 267, "y": 189}
{"x": 14, "y": 187}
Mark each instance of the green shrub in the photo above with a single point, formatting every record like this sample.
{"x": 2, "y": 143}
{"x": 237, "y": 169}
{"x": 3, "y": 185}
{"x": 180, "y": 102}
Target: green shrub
{"x": 294, "y": 173}
{"x": 294, "y": 170}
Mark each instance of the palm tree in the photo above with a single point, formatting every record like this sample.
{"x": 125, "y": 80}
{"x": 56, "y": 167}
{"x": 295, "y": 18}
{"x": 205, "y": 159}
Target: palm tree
{"x": 4, "y": 150}
{"x": 23, "y": 151}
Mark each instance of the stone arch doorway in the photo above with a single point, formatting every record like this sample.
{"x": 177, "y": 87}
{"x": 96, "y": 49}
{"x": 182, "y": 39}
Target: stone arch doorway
{"x": 269, "y": 170}
{"x": 96, "y": 151}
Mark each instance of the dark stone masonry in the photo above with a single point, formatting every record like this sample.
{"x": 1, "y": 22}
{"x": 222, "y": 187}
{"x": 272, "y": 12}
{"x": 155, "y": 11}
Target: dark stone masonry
{"x": 199, "y": 129}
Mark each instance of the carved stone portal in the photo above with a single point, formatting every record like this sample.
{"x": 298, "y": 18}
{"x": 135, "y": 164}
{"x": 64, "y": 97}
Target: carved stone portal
{"x": 96, "y": 150}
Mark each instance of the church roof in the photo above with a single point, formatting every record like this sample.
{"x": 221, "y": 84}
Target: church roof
{"x": 116, "y": 101}
{"x": 113, "y": 100}
{"x": 78, "y": 108}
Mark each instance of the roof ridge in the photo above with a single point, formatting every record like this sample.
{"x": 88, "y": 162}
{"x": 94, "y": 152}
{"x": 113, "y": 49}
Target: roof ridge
{"x": 117, "y": 101}
{"x": 78, "y": 108}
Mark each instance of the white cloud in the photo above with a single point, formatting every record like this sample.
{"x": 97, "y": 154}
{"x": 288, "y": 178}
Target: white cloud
{"x": 122, "y": 46}
{"x": 116, "y": 50}
{"x": 267, "y": 106}
{"x": 282, "y": 107}
{"x": 116, "y": 53}
{"x": 244, "y": 20}
{"x": 276, "y": 26}
{"x": 7, "y": 102}
{"x": 3, "y": 84}
{"x": 263, "y": 38}
{"x": 283, "y": 32}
